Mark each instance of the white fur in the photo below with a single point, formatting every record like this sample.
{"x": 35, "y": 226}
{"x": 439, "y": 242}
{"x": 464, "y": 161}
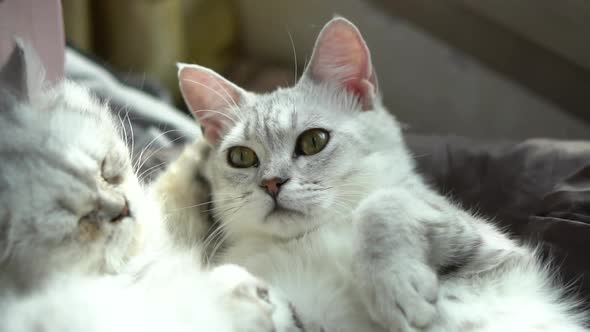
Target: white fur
{"x": 174, "y": 295}
{"x": 71, "y": 258}
{"x": 362, "y": 249}
{"x": 53, "y": 150}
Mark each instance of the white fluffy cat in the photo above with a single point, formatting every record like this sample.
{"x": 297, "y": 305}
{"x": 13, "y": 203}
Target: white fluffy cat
{"x": 171, "y": 295}
{"x": 81, "y": 247}
{"x": 316, "y": 193}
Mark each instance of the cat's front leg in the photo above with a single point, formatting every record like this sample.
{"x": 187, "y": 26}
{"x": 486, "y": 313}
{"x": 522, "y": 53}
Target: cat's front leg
{"x": 403, "y": 241}
{"x": 398, "y": 285}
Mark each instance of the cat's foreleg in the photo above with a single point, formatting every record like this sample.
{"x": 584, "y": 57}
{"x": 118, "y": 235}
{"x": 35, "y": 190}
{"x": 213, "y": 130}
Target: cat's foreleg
{"x": 404, "y": 241}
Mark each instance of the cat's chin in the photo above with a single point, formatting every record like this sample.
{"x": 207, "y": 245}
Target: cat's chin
{"x": 284, "y": 214}
{"x": 288, "y": 224}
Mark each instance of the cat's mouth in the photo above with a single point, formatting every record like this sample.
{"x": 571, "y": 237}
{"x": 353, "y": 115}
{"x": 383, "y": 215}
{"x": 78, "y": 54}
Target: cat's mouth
{"x": 279, "y": 211}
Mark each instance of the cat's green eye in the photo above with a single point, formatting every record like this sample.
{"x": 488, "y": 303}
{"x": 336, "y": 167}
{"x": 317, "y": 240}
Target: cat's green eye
{"x": 242, "y": 157}
{"x": 312, "y": 141}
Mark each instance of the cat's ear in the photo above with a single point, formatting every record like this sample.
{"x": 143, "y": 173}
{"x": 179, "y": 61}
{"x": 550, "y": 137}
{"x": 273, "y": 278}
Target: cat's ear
{"x": 211, "y": 99}
{"x": 341, "y": 57}
{"x": 22, "y": 74}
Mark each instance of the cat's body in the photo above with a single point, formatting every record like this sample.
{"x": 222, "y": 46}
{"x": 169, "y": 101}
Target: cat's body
{"x": 495, "y": 277}
{"x": 316, "y": 193}
{"x": 493, "y": 293}
{"x": 82, "y": 247}
{"x": 171, "y": 294}
{"x": 315, "y": 271}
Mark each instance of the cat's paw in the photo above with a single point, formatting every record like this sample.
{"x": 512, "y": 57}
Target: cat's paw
{"x": 401, "y": 299}
{"x": 252, "y": 305}
{"x": 407, "y": 300}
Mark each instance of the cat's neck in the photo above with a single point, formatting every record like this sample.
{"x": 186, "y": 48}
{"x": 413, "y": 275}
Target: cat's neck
{"x": 242, "y": 247}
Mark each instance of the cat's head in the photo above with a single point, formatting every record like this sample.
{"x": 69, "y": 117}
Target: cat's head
{"x": 286, "y": 161}
{"x": 68, "y": 195}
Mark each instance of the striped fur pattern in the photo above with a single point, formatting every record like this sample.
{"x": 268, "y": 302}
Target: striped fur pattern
{"x": 355, "y": 238}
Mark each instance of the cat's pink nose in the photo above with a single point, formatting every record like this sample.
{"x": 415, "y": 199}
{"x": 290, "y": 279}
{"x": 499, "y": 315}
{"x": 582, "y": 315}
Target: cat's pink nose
{"x": 124, "y": 213}
{"x": 273, "y": 186}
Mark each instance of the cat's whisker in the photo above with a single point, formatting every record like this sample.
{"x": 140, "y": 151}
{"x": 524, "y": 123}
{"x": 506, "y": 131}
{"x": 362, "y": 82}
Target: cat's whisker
{"x": 212, "y": 238}
{"x": 357, "y": 184}
{"x": 125, "y": 108}
{"x": 202, "y": 204}
{"x": 416, "y": 156}
{"x": 156, "y": 150}
{"x": 226, "y": 203}
{"x": 220, "y": 211}
{"x": 294, "y": 56}
{"x": 132, "y": 133}
{"x": 142, "y": 175}
{"x": 221, "y": 231}
{"x": 225, "y": 193}
{"x": 229, "y": 203}
{"x": 145, "y": 148}
{"x": 123, "y": 128}
{"x": 139, "y": 162}
{"x": 231, "y": 194}
{"x": 210, "y": 255}
{"x": 228, "y": 221}
{"x": 360, "y": 190}
{"x": 153, "y": 140}
{"x": 148, "y": 172}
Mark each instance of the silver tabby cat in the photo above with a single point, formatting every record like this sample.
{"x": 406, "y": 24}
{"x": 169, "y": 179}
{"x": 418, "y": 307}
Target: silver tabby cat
{"x": 315, "y": 192}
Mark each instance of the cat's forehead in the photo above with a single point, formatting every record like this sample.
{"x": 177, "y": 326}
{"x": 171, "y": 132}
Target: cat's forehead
{"x": 68, "y": 118}
{"x": 274, "y": 103}
{"x": 271, "y": 117}
{"x": 277, "y": 118}
{"x": 285, "y": 109}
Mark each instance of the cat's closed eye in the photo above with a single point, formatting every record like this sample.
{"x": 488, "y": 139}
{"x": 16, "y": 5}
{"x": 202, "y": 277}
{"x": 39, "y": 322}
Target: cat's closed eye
{"x": 110, "y": 175}
{"x": 312, "y": 141}
{"x": 242, "y": 157}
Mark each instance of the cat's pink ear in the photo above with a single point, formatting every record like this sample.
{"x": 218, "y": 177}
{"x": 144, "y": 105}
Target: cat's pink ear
{"x": 211, "y": 99}
{"x": 341, "y": 56}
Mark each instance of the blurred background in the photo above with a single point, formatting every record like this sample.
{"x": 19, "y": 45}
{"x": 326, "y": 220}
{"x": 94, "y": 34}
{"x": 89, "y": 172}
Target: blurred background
{"x": 483, "y": 69}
